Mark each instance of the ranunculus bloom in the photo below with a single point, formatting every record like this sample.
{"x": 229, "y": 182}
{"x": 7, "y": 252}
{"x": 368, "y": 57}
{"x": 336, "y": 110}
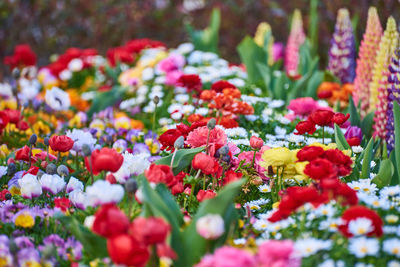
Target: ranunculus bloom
{"x": 277, "y": 253}
{"x": 321, "y": 117}
{"x": 309, "y": 153}
{"x": 278, "y": 156}
{"x": 205, "y": 194}
{"x": 198, "y": 138}
{"x": 207, "y": 164}
{"x": 125, "y": 249}
{"x": 191, "y": 82}
{"x": 342, "y": 161}
{"x": 4, "y": 120}
{"x": 319, "y": 169}
{"x": 221, "y": 85}
{"x": 303, "y": 106}
{"x": 356, "y": 212}
{"x": 14, "y": 115}
{"x": 340, "y": 118}
{"x": 231, "y": 176}
{"x": 22, "y": 154}
{"x": 110, "y": 221}
{"x": 305, "y": 127}
{"x": 105, "y": 159}
{"x": 168, "y": 138}
{"x": 23, "y": 57}
{"x": 256, "y": 142}
{"x": 228, "y": 256}
{"x": 61, "y": 143}
{"x": 149, "y": 231}
{"x": 160, "y": 174}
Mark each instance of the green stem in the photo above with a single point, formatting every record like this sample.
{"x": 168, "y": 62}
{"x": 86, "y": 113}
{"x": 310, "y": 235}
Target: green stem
{"x": 254, "y": 158}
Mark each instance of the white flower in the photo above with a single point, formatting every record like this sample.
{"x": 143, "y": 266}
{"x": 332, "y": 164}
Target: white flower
{"x": 89, "y": 220}
{"x": 391, "y": 218}
{"x": 102, "y": 192}
{"x": 74, "y": 184}
{"x": 57, "y": 99}
{"x": 52, "y": 183}
{"x": 29, "y": 88}
{"x": 30, "y": 186}
{"x": 362, "y": 246}
{"x": 6, "y": 90}
{"x": 357, "y": 149}
{"x": 264, "y": 188}
{"x": 210, "y": 226}
{"x": 78, "y": 198}
{"x": 360, "y": 226}
{"x": 3, "y": 170}
{"x": 363, "y": 185}
{"x": 392, "y": 246}
{"x": 134, "y": 164}
{"x": 65, "y": 75}
{"x": 80, "y": 138}
{"x": 393, "y": 264}
{"x": 310, "y": 246}
{"x": 332, "y": 263}
{"x": 185, "y": 48}
{"x": 75, "y": 64}
{"x": 325, "y": 210}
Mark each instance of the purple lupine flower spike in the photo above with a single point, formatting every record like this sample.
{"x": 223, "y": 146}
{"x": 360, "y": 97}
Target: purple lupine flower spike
{"x": 393, "y": 95}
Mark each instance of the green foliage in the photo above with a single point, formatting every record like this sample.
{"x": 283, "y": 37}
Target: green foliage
{"x": 313, "y": 26}
{"x": 106, "y": 99}
{"x": 183, "y": 159}
{"x": 366, "y": 124}
{"x": 366, "y": 165}
{"x": 396, "y": 112}
{"x": 207, "y": 39}
{"x": 355, "y": 119}
{"x": 385, "y": 174}
{"x": 340, "y": 139}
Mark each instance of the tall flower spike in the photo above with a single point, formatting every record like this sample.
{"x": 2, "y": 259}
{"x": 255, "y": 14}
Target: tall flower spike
{"x": 263, "y": 29}
{"x": 387, "y": 46}
{"x": 342, "y": 52}
{"x": 380, "y": 119}
{"x": 366, "y": 60}
{"x": 295, "y": 40}
{"x": 393, "y": 95}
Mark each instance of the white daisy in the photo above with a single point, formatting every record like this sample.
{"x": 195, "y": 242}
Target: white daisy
{"x": 309, "y": 246}
{"x": 362, "y": 246}
{"x": 392, "y": 246}
{"x": 360, "y": 226}
{"x": 264, "y": 188}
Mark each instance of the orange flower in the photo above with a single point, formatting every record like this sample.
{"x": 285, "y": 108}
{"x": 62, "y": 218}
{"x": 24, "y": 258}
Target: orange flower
{"x": 194, "y": 117}
{"x": 136, "y": 124}
{"x": 233, "y": 92}
{"x": 77, "y": 101}
{"x": 207, "y": 95}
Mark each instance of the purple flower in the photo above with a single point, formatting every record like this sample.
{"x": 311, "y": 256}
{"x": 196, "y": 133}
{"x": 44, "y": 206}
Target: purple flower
{"x": 120, "y": 145}
{"x": 139, "y": 148}
{"x": 353, "y": 131}
{"x": 132, "y": 135}
{"x": 23, "y": 242}
{"x": 74, "y": 247}
{"x": 26, "y": 255}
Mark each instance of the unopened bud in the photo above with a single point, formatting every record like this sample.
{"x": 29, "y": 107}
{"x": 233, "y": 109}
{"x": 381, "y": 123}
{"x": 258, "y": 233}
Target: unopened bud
{"x": 51, "y": 168}
{"x": 156, "y": 100}
{"x": 211, "y": 124}
{"x": 131, "y": 186}
{"x": 40, "y": 173}
{"x": 16, "y": 73}
{"x": 46, "y": 141}
{"x": 33, "y": 139}
{"x": 11, "y": 169}
{"x": 223, "y": 151}
{"x": 86, "y": 150}
{"x": 62, "y": 170}
{"x": 179, "y": 142}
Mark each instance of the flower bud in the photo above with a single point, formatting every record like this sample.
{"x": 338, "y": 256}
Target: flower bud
{"x": 8, "y": 196}
{"x": 16, "y": 73}
{"x": 131, "y": 186}
{"x": 211, "y": 124}
{"x": 40, "y": 173}
{"x": 223, "y": 151}
{"x": 256, "y": 142}
{"x": 51, "y": 168}
{"x": 156, "y": 100}
{"x": 86, "y": 150}
{"x": 46, "y": 141}
{"x": 33, "y": 139}
{"x": 210, "y": 226}
{"x": 11, "y": 169}
{"x": 179, "y": 142}
{"x": 62, "y": 170}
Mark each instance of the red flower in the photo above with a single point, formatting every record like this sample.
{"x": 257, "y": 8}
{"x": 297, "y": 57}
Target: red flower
{"x": 4, "y": 120}
{"x": 309, "y": 153}
{"x": 207, "y": 164}
{"x": 335, "y": 189}
{"x": 356, "y": 212}
{"x": 22, "y": 154}
{"x": 14, "y": 115}
{"x": 61, "y": 143}
{"x": 137, "y": 45}
{"x": 231, "y": 176}
{"x": 321, "y": 117}
{"x": 353, "y": 141}
{"x": 160, "y": 174}
{"x": 110, "y": 221}
{"x": 149, "y": 231}
{"x": 340, "y": 118}
{"x": 325, "y": 94}
{"x": 23, "y": 125}
{"x": 205, "y": 194}
{"x": 168, "y": 138}
{"x": 3, "y": 194}
{"x": 342, "y": 162}
{"x": 62, "y": 203}
{"x": 165, "y": 251}
{"x": 119, "y": 55}
{"x": 23, "y": 57}
{"x": 191, "y": 82}
{"x": 106, "y": 159}
{"x": 125, "y": 249}
{"x": 221, "y": 85}
{"x": 319, "y": 169}
{"x": 178, "y": 187}
{"x": 305, "y": 127}
{"x": 256, "y": 142}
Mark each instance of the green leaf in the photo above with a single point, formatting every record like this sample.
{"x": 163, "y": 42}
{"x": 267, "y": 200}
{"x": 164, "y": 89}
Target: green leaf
{"x": 396, "y": 113}
{"x": 313, "y": 26}
{"x": 366, "y": 165}
{"x": 219, "y": 205}
{"x": 366, "y": 124}
{"x": 396, "y": 176}
{"x": 265, "y": 72}
{"x": 95, "y": 245}
{"x": 340, "y": 139}
{"x": 279, "y": 81}
{"x": 355, "y": 119}
{"x": 106, "y": 99}
{"x": 183, "y": 159}
{"x": 313, "y": 84}
{"x": 385, "y": 174}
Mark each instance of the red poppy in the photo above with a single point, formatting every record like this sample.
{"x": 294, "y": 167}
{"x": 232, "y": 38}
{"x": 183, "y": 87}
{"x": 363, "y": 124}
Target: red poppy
{"x": 106, "y": 159}
{"x": 61, "y": 143}
{"x": 305, "y": 127}
{"x": 125, "y": 249}
{"x": 321, "y": 117}
{"x": 110, "y": 221}
{"x": 14, "y": 115}
{"x": 4, "y": 120}
{"x": 205, "y": 194}
{"x": 149, "y": 231}
{"x": 356, "y": 212}
{"x": 309, "y": 153}
{"x": 168, "y": 138}
{"x": 207, "y": 164}
{"x": 22, "y": 153}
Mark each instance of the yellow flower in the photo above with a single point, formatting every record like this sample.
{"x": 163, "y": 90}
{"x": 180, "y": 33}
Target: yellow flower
{"x": 278, "y": 156}
{"x": 32, "y": 264}
{"x": 40, "y": 128}
{"x": 300, "y": 166}
{"x": 10, "y": 104}
{"x": 4, "y": 151}
{"x": 14, "y": 190}
{"x": 25, "y": 220}
{"x": 275, "y": 205}
{"x": 75, "y": 122}
{"x": 5, "y": 261}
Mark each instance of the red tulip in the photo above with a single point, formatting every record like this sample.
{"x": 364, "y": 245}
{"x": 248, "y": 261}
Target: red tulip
{"x": 325, "y": 94}
{"x": 340, "y": 118}
{"x": 61, "y": 143}
{"x": 204, "y": 195}
{"x": 305, "y": 127}
{"x": 105, "y": 159}
{"x": 149, "y": 231}
{"x": 256, "y": 142}
{"x": 22, "y": 154}
{"x": 321, "y": 117}
{"x": 110, "y": 221}
{"x": 353, "y": 141}
{"x": 125, "y": 249}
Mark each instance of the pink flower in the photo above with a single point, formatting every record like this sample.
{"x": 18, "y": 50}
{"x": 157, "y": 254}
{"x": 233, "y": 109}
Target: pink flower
{"x": 278, "y": 51}
{"x": 247, "y": 156}
{"x": 172, "y": 63}
{"x": 303, "y": 106}
{"x": 277, "y": 253}
{"x": 172, "y": 77}
{"x": 228, "y": 257}
{"x": 198, "y": 138}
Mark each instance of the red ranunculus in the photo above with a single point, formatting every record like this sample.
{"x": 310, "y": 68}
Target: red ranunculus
{"x": 305, "y": 127}
{"x": 325, "y": 94}
{"x": 168, "y": 138}
{"x": 256, "y": 142}
{"x": 165, "y": 251}
{"x": 205, "y": 194}
{"x": 356, "y": 212}
{"x": 61, "y": 143}
{"x": 207, "y": 164}
{"x": 23, "y": 125}
{"x": 231, "y": 176}
{"x": 14, "y": 115}
{"x": 110, "y": 221}
{"x": 4, "y": 120}
{"x": 160, "y": 174}
{"x": 345, "y": 195}
{"x": 62, "y": 203}
{"x": 105, "y": 159}
{"x": 3, "y": 194}
{"x": 340, "y": 118}
{"x": 125, "y": 249}
{"x": 309, "y": 153}
{"x": 321, "y": 117}
{"x": 319, "y": 169}
{"x": 178, "y": 187}
{"x": 23, "y": 57}
{"x": 342, "y": 161}
{"x": 149, "y": 231}
{"x": 22, "y": 153}
{"x": 191, "y": 82}
{"x": 221, "y": 85}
